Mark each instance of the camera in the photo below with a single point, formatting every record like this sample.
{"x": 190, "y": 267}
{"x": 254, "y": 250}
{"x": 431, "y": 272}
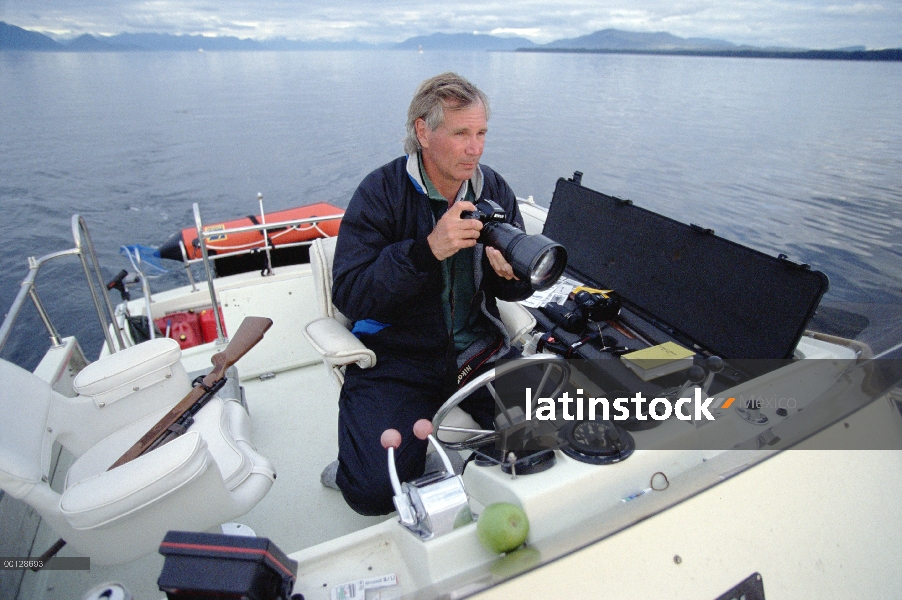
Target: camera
{"x": 598, "y": 307}
{"x": 585, "y": 306}
{"x": 535, "y": 258}
{"x": 573, "y": 319}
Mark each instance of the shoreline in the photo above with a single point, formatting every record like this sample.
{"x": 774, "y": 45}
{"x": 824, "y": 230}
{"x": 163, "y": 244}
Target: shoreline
{"x": 888, "y": 55}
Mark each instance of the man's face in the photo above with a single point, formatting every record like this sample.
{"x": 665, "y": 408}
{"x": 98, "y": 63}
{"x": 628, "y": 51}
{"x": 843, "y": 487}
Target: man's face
{"x": 452, "y": 151}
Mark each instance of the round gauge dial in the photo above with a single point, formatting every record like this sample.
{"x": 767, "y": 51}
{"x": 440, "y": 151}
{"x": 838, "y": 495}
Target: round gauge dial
{"x": 597, "y": 442}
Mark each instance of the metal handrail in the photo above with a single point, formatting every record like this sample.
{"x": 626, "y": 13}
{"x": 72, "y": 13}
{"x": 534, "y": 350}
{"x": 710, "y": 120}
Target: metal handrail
{"x": 265, "y": 227}
{"x": 220, "y": 326}
{"x": 27, "y": 289}
{"x": 260, "y": 227}
{"x": 80, "y": 227}
{"x": 275, "y": 225}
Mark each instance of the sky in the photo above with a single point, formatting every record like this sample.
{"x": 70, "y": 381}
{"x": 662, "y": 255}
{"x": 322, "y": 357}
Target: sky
{"x": 794, "y": 23}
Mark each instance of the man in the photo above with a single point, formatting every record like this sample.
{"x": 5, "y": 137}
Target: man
{"x": 410, "y": 274}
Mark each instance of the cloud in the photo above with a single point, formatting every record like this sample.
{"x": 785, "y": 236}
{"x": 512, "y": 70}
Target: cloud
{"x": 527, "y": 32}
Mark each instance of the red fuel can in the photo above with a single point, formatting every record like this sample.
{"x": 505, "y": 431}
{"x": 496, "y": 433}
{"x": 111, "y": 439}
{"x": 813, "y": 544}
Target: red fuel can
{"x": 183, "y": 327}
{"x": 208, "y": 324}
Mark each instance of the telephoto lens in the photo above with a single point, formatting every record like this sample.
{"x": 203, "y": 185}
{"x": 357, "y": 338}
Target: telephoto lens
{"x": 573, "y": 320}
{"x": 535, "y": 258}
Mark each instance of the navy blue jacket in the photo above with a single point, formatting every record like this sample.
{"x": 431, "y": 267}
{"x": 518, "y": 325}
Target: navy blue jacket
{"x": 384, "y": 270}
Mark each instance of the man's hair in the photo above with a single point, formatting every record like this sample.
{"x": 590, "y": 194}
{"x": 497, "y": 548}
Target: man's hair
{"x": 448, "y": 91}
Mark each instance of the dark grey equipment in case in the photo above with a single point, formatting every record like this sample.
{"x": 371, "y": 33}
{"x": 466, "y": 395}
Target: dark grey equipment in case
{"x": 699, "y": 289}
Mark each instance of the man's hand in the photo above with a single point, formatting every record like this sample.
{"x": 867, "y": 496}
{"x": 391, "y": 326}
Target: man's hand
{"x": 499, "y": 263}
{"x": 452, "y": 233}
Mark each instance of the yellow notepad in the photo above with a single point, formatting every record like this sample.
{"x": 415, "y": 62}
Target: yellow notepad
{"x": 660, "y": 360}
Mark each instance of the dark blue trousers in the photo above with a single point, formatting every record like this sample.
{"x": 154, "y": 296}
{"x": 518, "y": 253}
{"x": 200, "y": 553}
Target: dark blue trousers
{"x": 394, "y": 394}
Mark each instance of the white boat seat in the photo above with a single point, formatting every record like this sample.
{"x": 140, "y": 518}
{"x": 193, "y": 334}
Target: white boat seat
{"x": 125, "y": 373}
{"x": 330, "y": 333}
{"x": 206, "y": 477}
{"x": 518, "y": 321}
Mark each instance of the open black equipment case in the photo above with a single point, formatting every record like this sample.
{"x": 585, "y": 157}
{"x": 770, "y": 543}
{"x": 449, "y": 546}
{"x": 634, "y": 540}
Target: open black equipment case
{"x": 680, "y": 282}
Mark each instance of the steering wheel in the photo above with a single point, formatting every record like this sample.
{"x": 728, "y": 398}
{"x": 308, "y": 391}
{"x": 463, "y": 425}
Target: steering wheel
{"x": 556, "y": 372}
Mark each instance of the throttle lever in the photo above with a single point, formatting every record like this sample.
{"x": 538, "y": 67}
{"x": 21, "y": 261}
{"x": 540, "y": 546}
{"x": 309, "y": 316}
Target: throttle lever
{"x": 434, "y": 504}
{"x": 391, "y": 441}
{"x": 423, "y": 430}
{"x": 715, "y": 366}
{"x": 695, "y": 375}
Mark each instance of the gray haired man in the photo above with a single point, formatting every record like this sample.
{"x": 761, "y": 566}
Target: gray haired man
{"x": 421, "y": 290}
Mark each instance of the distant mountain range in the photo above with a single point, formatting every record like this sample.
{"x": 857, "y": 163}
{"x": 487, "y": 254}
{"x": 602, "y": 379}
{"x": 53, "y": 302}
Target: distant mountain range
{"x": 614, "y": 39}
{"x": 464, "y": 41}
{"x": 608, "y": 40}
{"x": 16, "y": 38}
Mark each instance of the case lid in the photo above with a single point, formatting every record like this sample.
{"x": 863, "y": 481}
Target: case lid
{"x": 201, "y": 561}
{"x": 724, "y": 297}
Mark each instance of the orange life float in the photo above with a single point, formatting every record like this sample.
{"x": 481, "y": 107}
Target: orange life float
{"x": 228, "y": 243}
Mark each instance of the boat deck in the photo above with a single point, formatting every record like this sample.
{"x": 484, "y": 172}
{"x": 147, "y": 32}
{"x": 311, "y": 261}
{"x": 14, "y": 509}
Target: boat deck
{"x": 293, "y": 406}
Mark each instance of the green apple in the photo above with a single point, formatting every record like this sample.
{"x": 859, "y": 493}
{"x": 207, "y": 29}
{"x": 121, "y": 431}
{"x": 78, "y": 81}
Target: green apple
{"x": 502, "y": 527}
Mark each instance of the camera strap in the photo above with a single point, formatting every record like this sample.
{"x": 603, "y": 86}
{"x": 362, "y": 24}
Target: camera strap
{"x": 472, "y": 366}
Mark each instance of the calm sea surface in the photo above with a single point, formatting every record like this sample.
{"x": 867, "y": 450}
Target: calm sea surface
{"x": 795, "y": 157}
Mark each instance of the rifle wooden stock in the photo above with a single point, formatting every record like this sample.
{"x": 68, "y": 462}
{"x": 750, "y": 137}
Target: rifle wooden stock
{"x": 248, "y": 335}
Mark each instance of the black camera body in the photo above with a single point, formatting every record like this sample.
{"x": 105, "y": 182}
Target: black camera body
{"x": 598, "y": 307}
{"x": 535, "y": 258}
{"x": 575, "y": 316}
{"x": 573, "y": 319}
{"x": 487, "y": 211}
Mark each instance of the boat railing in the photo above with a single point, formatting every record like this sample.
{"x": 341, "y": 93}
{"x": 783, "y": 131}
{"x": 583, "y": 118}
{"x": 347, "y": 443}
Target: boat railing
{"x": 207, "y": 258}
{"x": 84, "y": 250}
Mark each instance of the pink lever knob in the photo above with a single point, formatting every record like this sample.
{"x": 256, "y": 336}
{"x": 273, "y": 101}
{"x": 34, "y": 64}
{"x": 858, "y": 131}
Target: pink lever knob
{"x": 422, "y": 428}
{"x": 390, "y": 439}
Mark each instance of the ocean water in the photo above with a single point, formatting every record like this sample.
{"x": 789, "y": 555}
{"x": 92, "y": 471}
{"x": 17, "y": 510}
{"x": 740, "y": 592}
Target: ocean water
{"x": 796, "y": 157}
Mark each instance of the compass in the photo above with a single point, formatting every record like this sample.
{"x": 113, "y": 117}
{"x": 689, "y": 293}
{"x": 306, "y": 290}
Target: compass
{"x": 597, "y": 442}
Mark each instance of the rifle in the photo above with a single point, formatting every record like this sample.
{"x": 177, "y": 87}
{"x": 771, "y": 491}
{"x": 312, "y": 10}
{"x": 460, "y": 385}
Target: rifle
{"x": 181, "y": 416}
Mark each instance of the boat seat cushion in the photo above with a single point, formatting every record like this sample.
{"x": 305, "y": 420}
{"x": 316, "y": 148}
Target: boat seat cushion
{"x": 24, "y": 405}
{"x": 127, "y": 371}
{"x": 322, "y": 252}
{"x": 108, "y": 496}
{"x": 337, "y": 345}
{"x": 93, "y": 496}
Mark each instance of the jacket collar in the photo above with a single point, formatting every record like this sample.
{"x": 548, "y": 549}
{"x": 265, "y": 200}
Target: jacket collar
{"x": 413, "y": 172}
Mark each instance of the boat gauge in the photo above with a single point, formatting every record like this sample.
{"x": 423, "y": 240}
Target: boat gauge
{"x": 597, "y": 442}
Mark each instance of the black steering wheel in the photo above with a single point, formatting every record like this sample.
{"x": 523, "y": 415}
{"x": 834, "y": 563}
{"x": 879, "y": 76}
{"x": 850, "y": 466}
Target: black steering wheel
{"x": 555, "y": 372}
